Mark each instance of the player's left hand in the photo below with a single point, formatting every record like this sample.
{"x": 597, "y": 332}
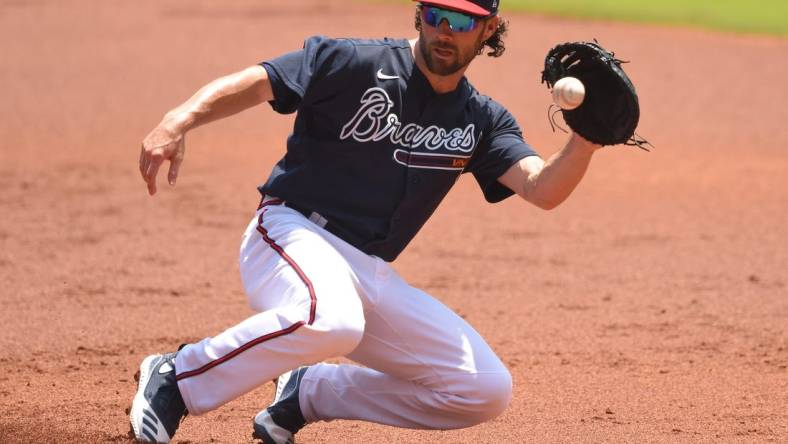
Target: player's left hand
{"x": 610, "y": 111}
{"x": 161, "y": 144}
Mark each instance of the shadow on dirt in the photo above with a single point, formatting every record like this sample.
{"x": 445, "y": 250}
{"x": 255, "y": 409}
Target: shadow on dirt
{"x": 32, "y": 431}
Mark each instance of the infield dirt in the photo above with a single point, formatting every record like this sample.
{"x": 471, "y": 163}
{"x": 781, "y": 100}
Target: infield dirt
{"x": 650, "y": 307}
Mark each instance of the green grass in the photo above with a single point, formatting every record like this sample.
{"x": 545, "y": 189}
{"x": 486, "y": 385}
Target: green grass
{"x": 747, "y": 16}
{"x": 742, "y": 16}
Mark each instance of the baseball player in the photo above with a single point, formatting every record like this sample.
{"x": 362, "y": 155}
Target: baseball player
{"x": 383, "y": 129}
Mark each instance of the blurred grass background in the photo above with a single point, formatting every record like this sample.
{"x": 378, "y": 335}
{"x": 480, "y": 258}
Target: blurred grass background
{"x": 740, "y": 16}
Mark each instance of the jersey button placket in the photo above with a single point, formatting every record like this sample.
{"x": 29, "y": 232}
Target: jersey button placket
{"x": 413, "y": 175}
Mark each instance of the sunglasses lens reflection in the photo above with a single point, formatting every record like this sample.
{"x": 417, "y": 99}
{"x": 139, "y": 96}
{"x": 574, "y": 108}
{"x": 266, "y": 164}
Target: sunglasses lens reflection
{"x": 457, "y": 21}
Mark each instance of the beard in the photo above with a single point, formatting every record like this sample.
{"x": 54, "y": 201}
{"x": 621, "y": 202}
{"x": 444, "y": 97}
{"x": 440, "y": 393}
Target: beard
{"x": 446, "y": 67}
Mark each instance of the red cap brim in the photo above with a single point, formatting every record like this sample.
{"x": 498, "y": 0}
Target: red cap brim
{"x": 458, "y": 5}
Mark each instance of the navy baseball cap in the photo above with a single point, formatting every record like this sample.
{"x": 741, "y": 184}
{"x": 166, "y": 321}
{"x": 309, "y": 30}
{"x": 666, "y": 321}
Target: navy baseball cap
{"x": 481, "y": 8}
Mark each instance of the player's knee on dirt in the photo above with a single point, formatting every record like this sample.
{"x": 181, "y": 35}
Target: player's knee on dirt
{"x": 487, "y": 397}
{"x": 498, "y": 394}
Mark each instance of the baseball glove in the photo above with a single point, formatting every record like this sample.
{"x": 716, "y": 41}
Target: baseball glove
{"x": 610, "y": 111}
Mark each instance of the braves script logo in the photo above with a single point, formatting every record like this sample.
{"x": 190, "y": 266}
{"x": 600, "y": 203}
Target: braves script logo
{"x": 373, "y": 122}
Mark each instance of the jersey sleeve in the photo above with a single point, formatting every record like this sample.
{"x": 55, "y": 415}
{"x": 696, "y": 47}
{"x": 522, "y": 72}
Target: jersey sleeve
{"x": 305, "y": 75}
{"x": 498, "y": 150}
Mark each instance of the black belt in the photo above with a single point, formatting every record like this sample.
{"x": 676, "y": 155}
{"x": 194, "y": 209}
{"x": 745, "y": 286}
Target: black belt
{"x": 332, "y": 228}
{"x": 309, "y": 214}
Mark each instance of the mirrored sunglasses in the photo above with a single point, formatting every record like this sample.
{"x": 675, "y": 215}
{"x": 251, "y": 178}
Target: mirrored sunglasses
{"x": 457, "y": 21}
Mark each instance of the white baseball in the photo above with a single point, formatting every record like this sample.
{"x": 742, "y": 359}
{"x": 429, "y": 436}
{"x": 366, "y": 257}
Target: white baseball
{"x": 568, "y": 93}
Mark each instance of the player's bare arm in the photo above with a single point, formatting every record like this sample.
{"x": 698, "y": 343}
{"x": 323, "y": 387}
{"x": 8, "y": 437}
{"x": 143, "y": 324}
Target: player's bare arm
{"x": 548, "y": 183}
{"x": 221, "y": 98}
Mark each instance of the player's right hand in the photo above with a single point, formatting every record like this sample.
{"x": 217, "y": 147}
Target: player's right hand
{"x": 161, "y": 144}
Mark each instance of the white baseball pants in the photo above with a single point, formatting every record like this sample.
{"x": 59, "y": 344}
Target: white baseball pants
{"x": 318, "y": 297}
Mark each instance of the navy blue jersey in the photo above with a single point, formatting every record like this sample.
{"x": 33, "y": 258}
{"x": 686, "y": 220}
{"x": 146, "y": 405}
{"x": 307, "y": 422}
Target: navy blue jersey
{"x": 374, "y": 149}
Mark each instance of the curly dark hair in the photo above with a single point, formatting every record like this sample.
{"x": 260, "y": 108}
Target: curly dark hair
{"x": 495, "y": 42}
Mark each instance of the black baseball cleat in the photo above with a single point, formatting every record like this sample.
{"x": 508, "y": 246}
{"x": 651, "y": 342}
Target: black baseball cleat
{"x": 283, "y": 418}
{"x": 158, "y": 407}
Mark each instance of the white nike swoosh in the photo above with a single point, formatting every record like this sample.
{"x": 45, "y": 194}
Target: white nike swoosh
{"x": 382, "y": 76}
